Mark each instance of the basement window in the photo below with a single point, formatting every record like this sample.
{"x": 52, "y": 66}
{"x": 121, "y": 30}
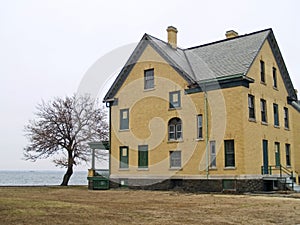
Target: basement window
{"x": 229, "y": 185}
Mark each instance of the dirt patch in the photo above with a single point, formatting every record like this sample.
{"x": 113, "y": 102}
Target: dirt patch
{"x": 77, "y": 205}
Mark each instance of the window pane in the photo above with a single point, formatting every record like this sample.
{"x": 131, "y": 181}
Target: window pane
{"x": 124, "y": 119}
{"x": 123, "y": 157}
{"x": 148, "y": 79}
{"x": 174, "y": 99}
{"x": 274, "y": 78}
{"x": 263, "y": 110}
{"x": 143, "y": 156}
{"x": 175, "y": 159}
{"x": 276, "y": 116}
{"x": 229, "y": 153}
{"x": 199, "y": 122}
{"x": 212, "y": 154}
{"x": 175, "y": 129}
{"x": 251, "y": 106}
{"x": 286, "y": 117}
{"x": 171, "y": 132}
{"x": 262, "y": 71}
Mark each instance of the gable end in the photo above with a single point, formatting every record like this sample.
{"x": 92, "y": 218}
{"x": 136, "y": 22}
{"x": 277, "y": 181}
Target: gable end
{"x": 282, "y": 67}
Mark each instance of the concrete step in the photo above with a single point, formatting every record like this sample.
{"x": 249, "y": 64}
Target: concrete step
{"x": 289, "y": 182}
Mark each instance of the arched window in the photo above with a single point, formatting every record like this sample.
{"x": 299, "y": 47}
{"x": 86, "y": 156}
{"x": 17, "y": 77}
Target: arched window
{"x": 175, "y": 129}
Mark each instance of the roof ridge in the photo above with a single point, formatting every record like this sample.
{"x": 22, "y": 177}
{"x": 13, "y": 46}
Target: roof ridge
{"x": 149, "y": 35}
{"x": 228, "y": 39}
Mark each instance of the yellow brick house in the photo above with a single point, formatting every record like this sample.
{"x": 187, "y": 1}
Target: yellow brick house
{"x": 214, "y": 117}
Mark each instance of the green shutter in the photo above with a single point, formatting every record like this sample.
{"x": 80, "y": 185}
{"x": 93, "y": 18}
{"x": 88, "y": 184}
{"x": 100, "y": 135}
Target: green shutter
{"x": 143, "y": 156}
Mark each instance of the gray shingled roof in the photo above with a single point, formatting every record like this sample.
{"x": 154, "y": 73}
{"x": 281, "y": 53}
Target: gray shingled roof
{"x": 224, "y": 58}
{"x": 221, "y": 59}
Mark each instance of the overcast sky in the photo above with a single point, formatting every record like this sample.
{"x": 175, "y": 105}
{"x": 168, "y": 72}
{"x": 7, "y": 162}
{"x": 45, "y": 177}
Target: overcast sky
{"x": 47, "y": 46}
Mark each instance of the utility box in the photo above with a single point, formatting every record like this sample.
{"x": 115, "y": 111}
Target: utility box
{"x": 98, "y": 180}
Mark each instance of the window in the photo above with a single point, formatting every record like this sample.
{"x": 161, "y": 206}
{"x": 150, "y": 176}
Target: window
{"x": 148, "y": 79}
{"x": 212, "y": 145}
{"x": 277, "y": 154}
{"x": 175, "y": 159}
{"x": 263, "y": 109}
{"x": 143, "y": 156}
{"x": 262, "y": 71}
{"x": 124, "y": 157}
{"x": 286, "y": 117}
{"x": 229, "y": 153}
{"x": 175, "y": 129}
{"x": 251, "y": 107}
{"x": 124, "y": 119}
{"x": 276, "y": 116}
{"x": 288, "y": 154}
{"x": 199, "y": 127}
{"x": 174, "y": 98}
{"x": 274, "y": 78}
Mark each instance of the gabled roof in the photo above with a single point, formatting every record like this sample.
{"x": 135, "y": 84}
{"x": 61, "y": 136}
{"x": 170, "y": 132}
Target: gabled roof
{"x": 219, "y": 59}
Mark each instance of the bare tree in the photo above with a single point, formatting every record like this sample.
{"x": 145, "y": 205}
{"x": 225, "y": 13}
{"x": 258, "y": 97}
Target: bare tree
{"x": 62, "y": 129}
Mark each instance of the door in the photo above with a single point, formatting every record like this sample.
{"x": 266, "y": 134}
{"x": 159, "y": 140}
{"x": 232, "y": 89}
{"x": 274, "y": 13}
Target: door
{"x": 277, "y": 154}
{"x": 265, "y": 157}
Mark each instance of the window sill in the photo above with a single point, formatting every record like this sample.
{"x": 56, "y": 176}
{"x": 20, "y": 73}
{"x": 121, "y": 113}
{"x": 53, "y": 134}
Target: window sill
{"x": 175, "y": 168}
{"x": 287, "y": 128}
{"x": 200, "y": 139}
{"x": 213, "y": 168}
{"x": 263, "y": 82}
{"x": 123, "y": 169}
{"x": 175, "y": 141}
{"x": 142, "y": 169}
{"x": 276, "y": 126}
{"x": 230, "y": 168}
{"x": 175, "y": 108}
{"x": 149, "y": 89}
{"x": 264, "y": 123}
{"x": 252, "y": 120}
{"x": 124, "y": 130}
{"x": 275, "y": 88}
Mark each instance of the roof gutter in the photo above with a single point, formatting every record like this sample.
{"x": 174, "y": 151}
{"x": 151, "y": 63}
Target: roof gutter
{"x": 295, "y": 105}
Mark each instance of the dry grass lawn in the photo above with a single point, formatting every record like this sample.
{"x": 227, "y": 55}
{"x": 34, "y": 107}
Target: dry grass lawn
{"x": 77, "y": 205}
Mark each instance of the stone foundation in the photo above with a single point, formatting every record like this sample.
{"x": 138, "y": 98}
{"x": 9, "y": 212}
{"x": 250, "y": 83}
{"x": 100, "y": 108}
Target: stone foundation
{"x": 192, "y": 185}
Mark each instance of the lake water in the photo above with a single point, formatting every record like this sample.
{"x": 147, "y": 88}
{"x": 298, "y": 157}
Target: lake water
{"x": 40, "y": 178}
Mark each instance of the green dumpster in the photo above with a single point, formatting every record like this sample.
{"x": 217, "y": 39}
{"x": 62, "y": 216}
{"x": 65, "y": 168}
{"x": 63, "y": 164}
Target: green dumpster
{"x": 98, "y": 180}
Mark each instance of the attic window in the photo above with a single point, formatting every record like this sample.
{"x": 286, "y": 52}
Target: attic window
{"x": 274, "y": 78}
{"x": 148, "y": 79}
{"x": 262, "y": 72}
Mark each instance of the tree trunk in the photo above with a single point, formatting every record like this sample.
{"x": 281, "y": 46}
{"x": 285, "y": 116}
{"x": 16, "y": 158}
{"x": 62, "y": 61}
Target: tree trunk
{"x": 69, "y": 172}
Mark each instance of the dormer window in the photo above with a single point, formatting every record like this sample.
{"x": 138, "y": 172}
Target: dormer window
{"x": 148, "y": 79}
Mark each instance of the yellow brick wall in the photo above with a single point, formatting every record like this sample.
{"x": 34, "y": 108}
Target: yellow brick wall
{"x": 227, "y": 119}
{"x": 255, "y": 132}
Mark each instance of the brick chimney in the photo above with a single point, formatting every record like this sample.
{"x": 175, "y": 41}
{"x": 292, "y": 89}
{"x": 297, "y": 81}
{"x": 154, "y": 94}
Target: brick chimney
{"x": 231, "y": 34}
{"x": 172, "y": 36}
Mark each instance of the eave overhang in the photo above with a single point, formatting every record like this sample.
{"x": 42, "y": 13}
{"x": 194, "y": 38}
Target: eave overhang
{"x": 220, "y": 83}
